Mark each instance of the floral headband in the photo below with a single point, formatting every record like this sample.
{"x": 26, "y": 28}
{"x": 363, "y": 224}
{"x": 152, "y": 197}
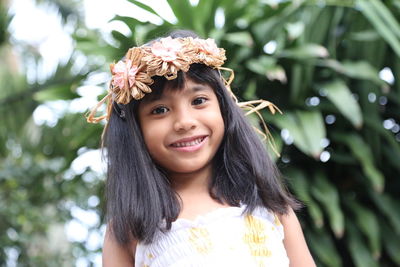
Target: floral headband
{"x": 132, "y": 76}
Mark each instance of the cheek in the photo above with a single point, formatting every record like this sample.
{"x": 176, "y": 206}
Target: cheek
{"x": 217, "y": 123}
{"x": 152, "y": 134}
{"x": 150, "y": 129}
{"x": 221, "y": 129}
{"x": 154, "y": 147}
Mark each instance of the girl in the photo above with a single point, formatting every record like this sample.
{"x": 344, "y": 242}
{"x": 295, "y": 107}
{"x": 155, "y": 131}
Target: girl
{"x": 189, "y": 183}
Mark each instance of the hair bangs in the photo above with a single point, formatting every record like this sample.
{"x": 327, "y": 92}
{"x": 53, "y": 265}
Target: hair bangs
{"x": 198, "y": 73}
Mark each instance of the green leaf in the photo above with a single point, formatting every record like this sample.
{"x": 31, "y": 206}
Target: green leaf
{"x": 359, "y": 252}
{"x": 363, "y": 153}
{"x": 390, "y": 207}
{"x": 183, "y": 12}
{"x": 145, "y": 7}
{"x": 57, "y": 92}
{"x": 313, "y": 128}
{"x": 301, "y": 186}
{"x": 261, "y": 64}
{"x": 304, "y": 52}
{"x": 296, "y": 85}
{"x": 306, "y": 127}
{"x": 391, "y": 242}
{"x": 373, "y": 12}
{"x": 274, "y": 147}
{"x": 392, "y": 155}
{"x": 206, "y": 10}
{"x": 121, "y": 38}
{"x": 273, "y": 23}
{"x": 368, "y": 224}
{"x": 129, "y": 21}
{"x": 340, "y": 95}
{"x": 361, "y": 70}
{"x": 327, "y": 195}
{"x": 240, "y": 38}
{"x": 250, "y": 92}
{"x": 391, "y": 150}
{"x": 277, "y": 73}
{"x": 387, "y": 16}
{"x": 324, "y": 248}
{"x": 266, "y": 66}
{"x": 354, "y": 69}
{"x": 295, "y": 30}
{"x": 364, "y": 36}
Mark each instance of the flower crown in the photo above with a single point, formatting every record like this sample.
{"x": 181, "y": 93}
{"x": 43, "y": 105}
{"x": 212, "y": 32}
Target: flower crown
{"x": 132, "y": 76}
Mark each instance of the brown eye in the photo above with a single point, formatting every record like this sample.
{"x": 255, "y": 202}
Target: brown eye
{"x": 159, "y": 110}
{"x": 199, "y": 101}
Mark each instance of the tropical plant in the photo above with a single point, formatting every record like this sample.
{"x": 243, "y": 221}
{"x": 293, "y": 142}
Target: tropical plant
{"x": 330, "y": 66}
{"x": 39, "y": 191}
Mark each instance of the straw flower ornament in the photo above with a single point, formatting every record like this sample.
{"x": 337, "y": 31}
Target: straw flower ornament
{"x": 130, "y": 79}
{"x": 167, "y": 57}
{"x": 132, "y": 76}
{"x": 124, "y": 74}
{"x": 208, "y": 52}
{"x": 167, "y": 49}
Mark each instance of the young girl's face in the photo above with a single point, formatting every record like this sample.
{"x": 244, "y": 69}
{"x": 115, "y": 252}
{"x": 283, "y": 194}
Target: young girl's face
{"x": 182, "y": 129}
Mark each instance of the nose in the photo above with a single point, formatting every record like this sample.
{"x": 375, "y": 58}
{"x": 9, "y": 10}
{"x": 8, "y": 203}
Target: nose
{"x": 184, "y": 120}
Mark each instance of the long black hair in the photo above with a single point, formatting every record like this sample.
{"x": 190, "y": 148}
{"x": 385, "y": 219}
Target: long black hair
{"x": 139, "y": 195}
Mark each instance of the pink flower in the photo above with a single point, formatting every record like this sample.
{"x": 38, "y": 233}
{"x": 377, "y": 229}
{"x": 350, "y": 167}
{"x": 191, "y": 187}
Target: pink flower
{"x": 166, "y": 49}
{"x": 208, "y": 46}
{"x": 124, "y": 73}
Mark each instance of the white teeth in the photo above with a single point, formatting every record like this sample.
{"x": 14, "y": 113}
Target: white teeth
{"x": 191, "y": 143}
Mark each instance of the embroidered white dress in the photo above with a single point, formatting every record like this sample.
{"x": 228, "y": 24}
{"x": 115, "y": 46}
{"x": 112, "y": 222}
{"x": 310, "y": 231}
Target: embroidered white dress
{"x": 224, "y": 237}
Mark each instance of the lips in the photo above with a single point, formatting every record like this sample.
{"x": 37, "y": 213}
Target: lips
{"x": 189, "y": 142}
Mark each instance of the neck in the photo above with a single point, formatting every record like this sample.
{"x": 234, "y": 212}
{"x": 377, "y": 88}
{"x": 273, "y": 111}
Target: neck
{"x": 193, "y": 190}
{"x": 194, "y": 182}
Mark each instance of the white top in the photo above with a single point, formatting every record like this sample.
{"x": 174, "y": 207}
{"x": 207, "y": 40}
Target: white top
{"x": 224, "y": 237}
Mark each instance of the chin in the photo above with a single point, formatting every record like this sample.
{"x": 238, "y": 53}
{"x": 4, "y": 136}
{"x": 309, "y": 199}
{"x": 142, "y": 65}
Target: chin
{"x": 189, "y": 168}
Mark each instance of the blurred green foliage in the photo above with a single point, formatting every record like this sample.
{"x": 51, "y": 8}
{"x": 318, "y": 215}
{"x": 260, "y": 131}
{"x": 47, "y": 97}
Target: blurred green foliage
{"x": 319, "y": 61}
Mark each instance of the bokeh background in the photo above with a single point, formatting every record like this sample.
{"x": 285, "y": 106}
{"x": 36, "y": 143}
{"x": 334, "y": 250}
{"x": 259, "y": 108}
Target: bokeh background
{"x": 332, "y": 67}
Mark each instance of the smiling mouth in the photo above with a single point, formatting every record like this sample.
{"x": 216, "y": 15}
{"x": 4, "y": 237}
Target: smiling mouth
{"x": 189, "y": 143}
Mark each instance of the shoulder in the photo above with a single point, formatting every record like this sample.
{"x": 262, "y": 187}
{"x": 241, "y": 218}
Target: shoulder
{"x": 294, "y": 241}
{"x": 115, "y": 254}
